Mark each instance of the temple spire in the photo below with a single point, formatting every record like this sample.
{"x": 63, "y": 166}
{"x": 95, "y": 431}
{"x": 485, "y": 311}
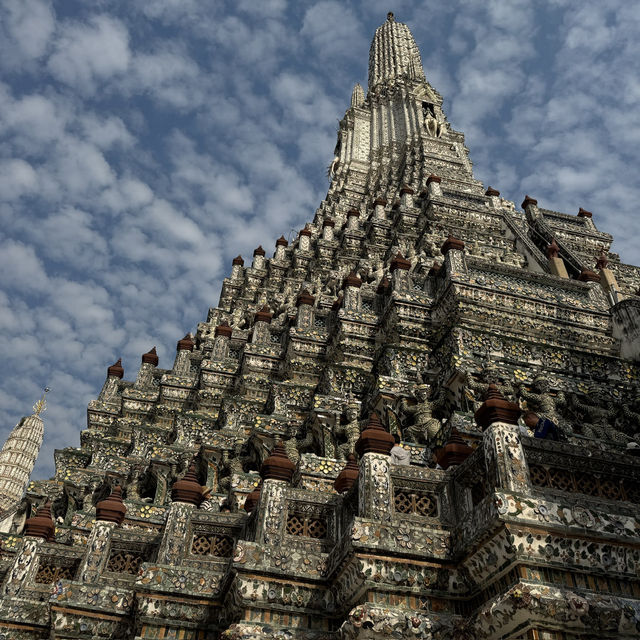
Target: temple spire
{"x": 357, "y": 96}
{"x": 394, "y": 54}
{"x": 18, "y": 456}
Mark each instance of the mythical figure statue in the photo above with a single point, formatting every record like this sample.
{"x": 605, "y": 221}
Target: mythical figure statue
{"x": 87, "y": 500}
{"x": 541, "y": 401}
{"x": 630, "y": 415}
{"x": 230, "y": 464}
{"x": 133, "y": 482}
{"x": 376, "y": 271}
{"x": 350, "y": 431}
{"x": 476, "y": 391}
{"x": 332, "y": 284}
{"x": 333, "y": 166}
{"x": 238, "y": 319}
{"x": 597, "y": 413}
{"x": 431, "y": 124}
{"x": 294, "y": 447}
{"x": 425, "y": 426}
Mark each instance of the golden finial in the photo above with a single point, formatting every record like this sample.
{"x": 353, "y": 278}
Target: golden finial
{"x": 41, "y": 405}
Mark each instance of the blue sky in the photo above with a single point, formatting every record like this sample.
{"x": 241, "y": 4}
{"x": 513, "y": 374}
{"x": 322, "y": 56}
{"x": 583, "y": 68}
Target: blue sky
{"x": 143, "y": 144}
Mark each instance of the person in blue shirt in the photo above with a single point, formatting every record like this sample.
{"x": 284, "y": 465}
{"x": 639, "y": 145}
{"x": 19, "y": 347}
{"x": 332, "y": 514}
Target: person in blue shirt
{"x": 542, "y": 427}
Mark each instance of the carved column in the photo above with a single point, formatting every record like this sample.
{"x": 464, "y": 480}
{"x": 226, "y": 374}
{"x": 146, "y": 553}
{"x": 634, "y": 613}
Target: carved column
{"x": 281, "y": 249}
{"x": 353, "y": 221}
{"x": 327, "y": 230}
{"x": 271, "y": 512}
{"x": 110, "y": 387}
{"x": 400, "y": 272}
{"x": 182, "y": 363}
{"x": 305, "y": 302}
{"x": 503, "y": 449}
{"x": 454, "y": 260}
{"x": 262, "y": 320}
{"x": 259, "y": 258}
{"x": 147, "y": 367}
{"x": 379, "y": 209}
{"x": 304, "y": 240}
{"x": 174, "y": 540}
{"x": 375, "y": 499}
{"x": 222, "y": 336}
{"x": 433, "y": 186}
{"x": 237, "y": 271}
{"x": 24, "y": 567}
{"x": 352, "y": 284}
{"x": 97, "y": 552}
{"x": 406, "y": 197}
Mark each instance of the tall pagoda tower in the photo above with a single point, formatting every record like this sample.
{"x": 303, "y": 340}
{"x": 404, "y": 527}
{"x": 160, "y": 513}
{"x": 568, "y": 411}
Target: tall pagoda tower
{"x": 249, "y": 490}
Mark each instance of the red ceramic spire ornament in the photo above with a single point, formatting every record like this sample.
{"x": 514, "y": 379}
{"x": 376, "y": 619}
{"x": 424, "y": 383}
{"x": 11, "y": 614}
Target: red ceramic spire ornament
{"x": 112, "y": 509}
{"x": 41, "y": 525}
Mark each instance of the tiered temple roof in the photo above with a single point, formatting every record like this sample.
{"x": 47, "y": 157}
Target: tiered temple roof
{"x": 416, "y": 303}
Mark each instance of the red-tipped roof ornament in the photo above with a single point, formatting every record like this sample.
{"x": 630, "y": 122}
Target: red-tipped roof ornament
{"x": 583, "y": 213}
{"x": 496, "y": 408}
{"x": 352, "y": 280}
{"x": 400, "y": 262}
{"x": 529, "y": 201}
{"x": 587, "y": 275}
{"x": 553, "y": 249}
{"x": 348, "y": 476}
{"x": 238, "y": 260}
{"x": 353, "y": 213}
{"x": 405, "y": 188}
{"x": 328, "y": 222}
{"x": 433, "y": 178}
{"x": 264, "y": 315}
{"x": 375, "y": 438}
{"x": 188, "y": 489}
{"x": 186, "y": 344}
{"x": 454, "y": 452}
{"x": 151, "y": 357}
{"x": 223, "y": 329}
{"x": 252, "y": 499}
{"x": 277, "y": 466}
{"x": 304, "y": 297}
{"x": 41, "y": 525}
{"x": 491, "y": 192}
{"x": 282, "y": 242}
{"x": 259, "y": 251}
{"x": 384, "y": 287}
{"x": 116, "y": 370}
{"x": 452, "y": 243}
{"x": 603, "y": 261}
{"x": 112, "y": 509}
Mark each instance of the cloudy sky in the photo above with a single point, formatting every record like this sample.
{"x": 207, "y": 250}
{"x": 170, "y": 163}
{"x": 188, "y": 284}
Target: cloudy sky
{"x": 144, "y": 143}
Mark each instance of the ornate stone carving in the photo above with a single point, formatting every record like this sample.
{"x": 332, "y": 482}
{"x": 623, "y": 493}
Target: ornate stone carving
{"x": 517, "y": 535}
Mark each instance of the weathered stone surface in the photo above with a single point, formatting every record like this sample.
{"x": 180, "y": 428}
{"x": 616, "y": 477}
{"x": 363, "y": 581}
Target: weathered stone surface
{"x": 517, "y": 537}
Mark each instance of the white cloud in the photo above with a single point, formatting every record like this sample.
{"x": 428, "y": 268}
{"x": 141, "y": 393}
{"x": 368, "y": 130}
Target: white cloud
{"x": 334, "y": 31}
{"x": 68, "y": 236}
{"x": 25, "y": 31}
{"x": 34, "y": 119}
{"x": 17, "y": 178}
{"x": 105, "y": 132}
{"x": 87, "y": 53}
{"x": 20, "y": 268}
